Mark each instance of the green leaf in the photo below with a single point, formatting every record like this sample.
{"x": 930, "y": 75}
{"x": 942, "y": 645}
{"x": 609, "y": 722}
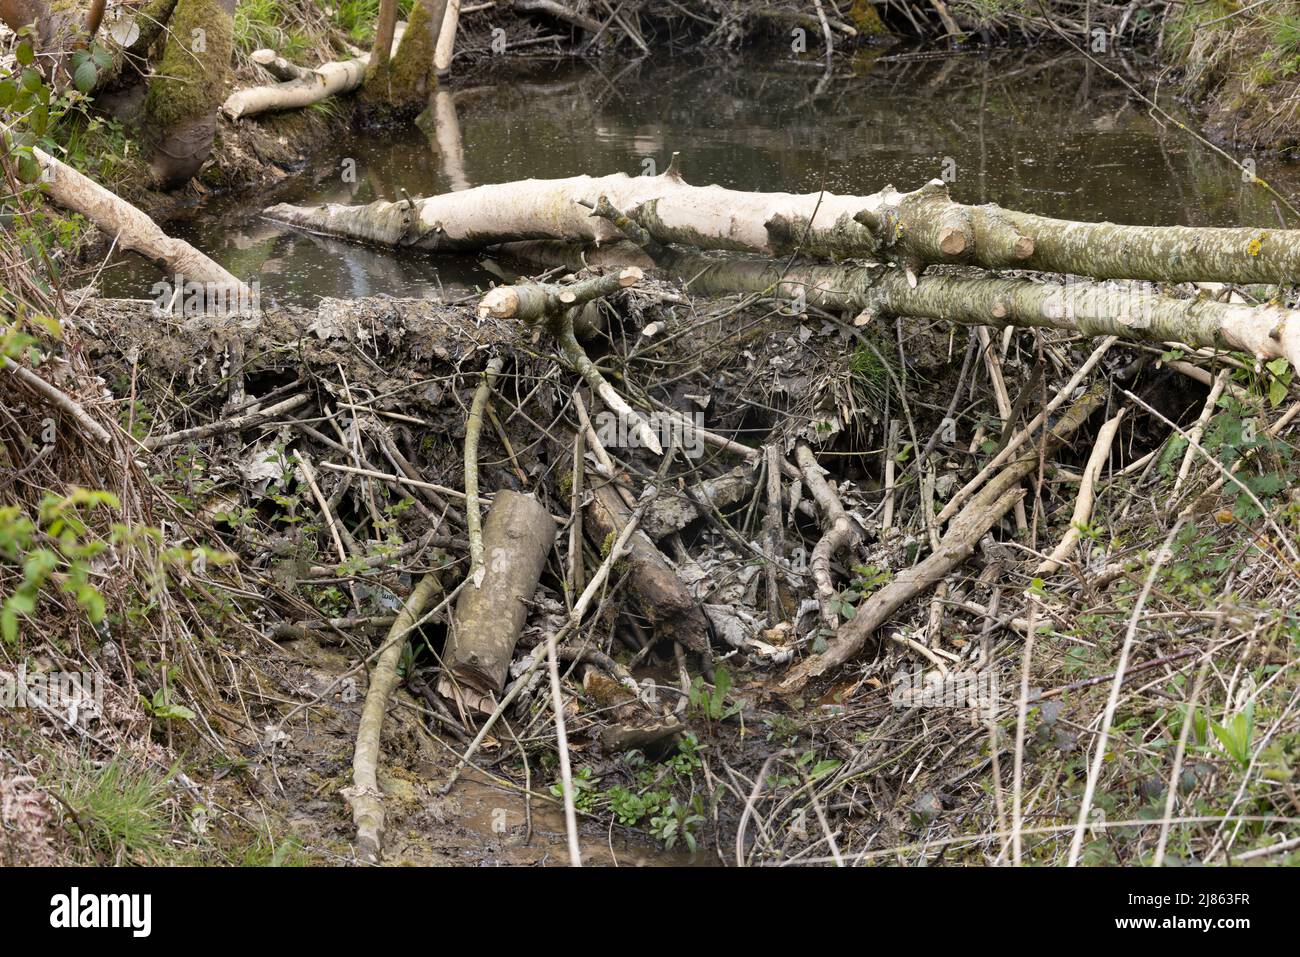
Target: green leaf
{"x": 1277, "y": 391}
{"x": 26, "y": 56}
{"x": 9, "y": 624}
{"x": 8, "y": 92}
{"x": 169, "y": 712}
{"x": 32, "y": 81}
{"x": 823, "y": 768}
{"x": 84, "y": 78}
{"x": 1278, "y": 367}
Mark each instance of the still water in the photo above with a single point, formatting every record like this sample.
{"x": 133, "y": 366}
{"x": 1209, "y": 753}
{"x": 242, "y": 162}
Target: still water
{"x": 1050, "y": 135}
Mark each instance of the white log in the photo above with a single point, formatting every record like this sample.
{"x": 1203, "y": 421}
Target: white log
{"x": 133, "y": 229}
{"x": 447, "y": 38}
{"x": 329, "y": 79}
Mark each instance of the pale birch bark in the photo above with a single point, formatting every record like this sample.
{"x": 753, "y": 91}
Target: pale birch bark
{"x": 329, "y": 79}
{"x": 918, "y": 228}
{"x": 133, "y": 229}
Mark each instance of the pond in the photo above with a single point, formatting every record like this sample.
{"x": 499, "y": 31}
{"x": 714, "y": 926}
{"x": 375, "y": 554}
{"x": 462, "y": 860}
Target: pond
{"x": 1047, "y": 134}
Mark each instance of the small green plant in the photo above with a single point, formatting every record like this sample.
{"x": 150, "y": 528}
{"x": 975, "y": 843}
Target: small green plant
{"x": 678, "y": 821}
{"x": 162, "y": 707}
{"x": 687, "y": 760}
{"x": 712, "y": 702}
{"x": 585, "y": 793}
{"x": 56, "y": 549}
{"x": 1236, "y": 735}
{"x": 631, "y": 808}
{"x": 118, "y": 808}
{"x": 867, "y": 578}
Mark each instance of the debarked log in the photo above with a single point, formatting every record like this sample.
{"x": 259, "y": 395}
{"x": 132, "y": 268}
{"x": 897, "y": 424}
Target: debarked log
{"x": 328, "y": 79}
{"x": 917, "y": 228}
{"x": 662, "y": 595}
{"x": 517, "y": 536}
{"x": 132, "y": 229}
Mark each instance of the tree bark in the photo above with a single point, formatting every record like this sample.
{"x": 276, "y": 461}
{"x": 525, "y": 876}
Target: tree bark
{"x": 1129, "y": 311}
{"x": 412, "y": 79}
{"x": 132, "y": 228}
{"x": 329, "y": 79}
{"x": 915, "y": 229}
{"x": 517, "y": 537}
{"x": 382, "y": 48}
{"x": 661, "y": 594}
{"x": 181, "y": 108}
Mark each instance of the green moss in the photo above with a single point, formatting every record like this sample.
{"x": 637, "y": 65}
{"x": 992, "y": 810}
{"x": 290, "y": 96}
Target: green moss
{"x": 190, "y": 83}
{"x": 865, "y": 19}
{"x": 410, "y": 72}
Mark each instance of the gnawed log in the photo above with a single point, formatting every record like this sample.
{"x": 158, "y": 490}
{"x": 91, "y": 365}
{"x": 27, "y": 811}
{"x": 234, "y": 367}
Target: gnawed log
{"x": 673, "y": 511}
{"x": 134, "y": 230}
{"x": 964, "y": 532}
{"x": 329, "y": 79}
{"x": 278, "y": 66}
{"x": 661, "y": 594}
{"x": 1129, "y": 311}
{"x": 917, "y": 228}
{"x": 517, "y": 536}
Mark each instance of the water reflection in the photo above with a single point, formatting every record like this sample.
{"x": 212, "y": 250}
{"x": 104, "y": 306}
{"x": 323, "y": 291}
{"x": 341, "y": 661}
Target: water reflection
{"x": 1053, "y": 135}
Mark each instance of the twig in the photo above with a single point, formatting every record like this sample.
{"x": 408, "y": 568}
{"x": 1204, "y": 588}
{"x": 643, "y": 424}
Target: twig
{"x": 473, "y": 426}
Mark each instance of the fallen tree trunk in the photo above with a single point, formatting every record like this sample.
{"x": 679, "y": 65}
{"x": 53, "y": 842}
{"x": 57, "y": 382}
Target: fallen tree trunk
{"x": 329, "y": 79}
{"x": 134, "y": 230}
{"x": 916, "y": 229}
{"x": 980, "y": 514}
{"x": 1128, "y": 311}
{"x": 517, "y": 537}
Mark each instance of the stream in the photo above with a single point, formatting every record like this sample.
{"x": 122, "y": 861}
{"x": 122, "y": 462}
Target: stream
{"x": 1049, "y": 135}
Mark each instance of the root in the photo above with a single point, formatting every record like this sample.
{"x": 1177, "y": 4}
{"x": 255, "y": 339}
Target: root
{"x": 364, "y": 796}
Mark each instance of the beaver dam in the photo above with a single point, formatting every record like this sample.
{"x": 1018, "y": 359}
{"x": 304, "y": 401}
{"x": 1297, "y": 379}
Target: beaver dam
{"x": 750, "y": 456}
